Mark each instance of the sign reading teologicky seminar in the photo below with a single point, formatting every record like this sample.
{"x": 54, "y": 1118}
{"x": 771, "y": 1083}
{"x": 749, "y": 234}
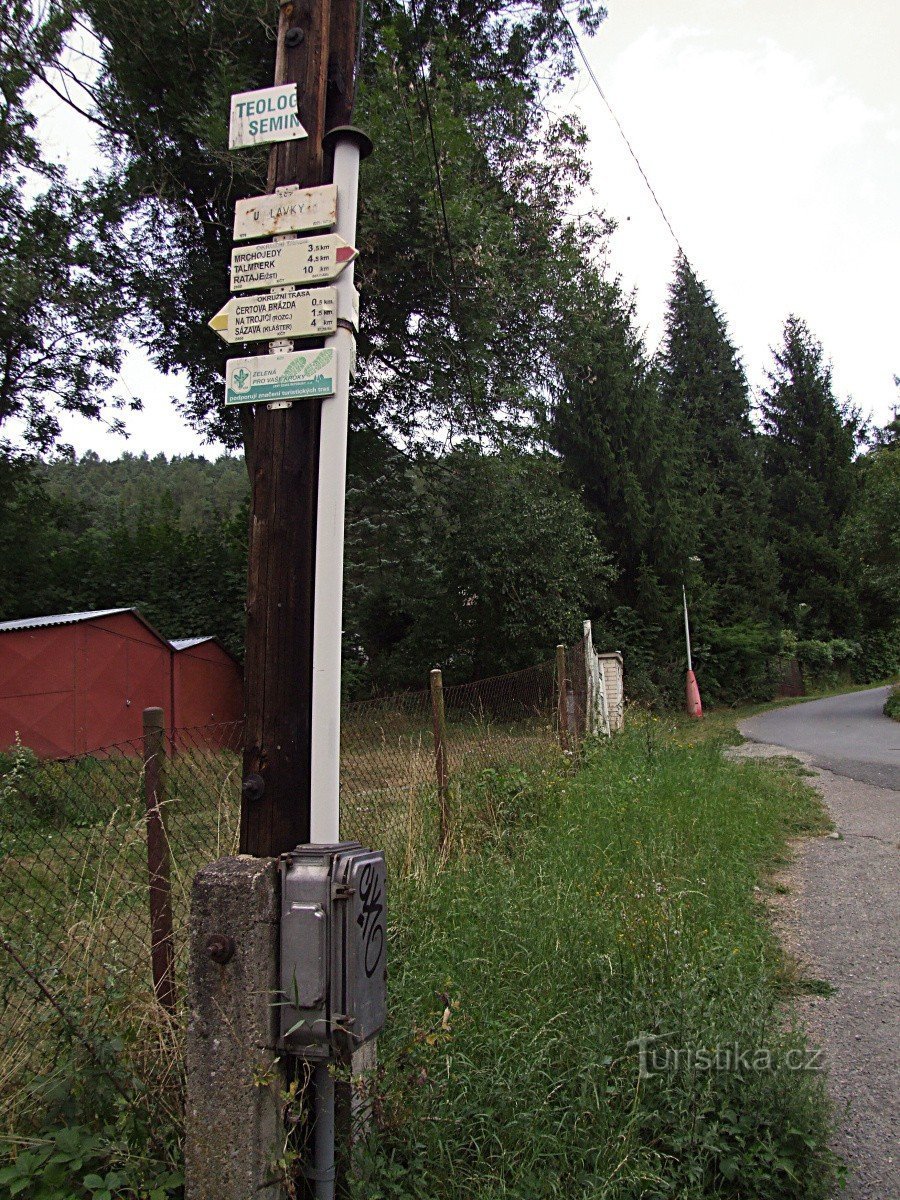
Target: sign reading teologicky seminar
{"x": 311, "y": 312}
{"x": 295, "y": 260}
{"x": 299, "y": 375}
{"x": 266, "y": 115}
{"x": 289, "y": 209}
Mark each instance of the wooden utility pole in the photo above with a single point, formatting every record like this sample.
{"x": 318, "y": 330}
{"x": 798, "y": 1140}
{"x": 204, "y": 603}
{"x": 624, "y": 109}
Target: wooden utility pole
{"x": 316, "y": 50}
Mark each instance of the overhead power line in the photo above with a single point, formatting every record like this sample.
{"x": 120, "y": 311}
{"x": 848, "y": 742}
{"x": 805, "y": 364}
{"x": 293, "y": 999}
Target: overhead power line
{"x": 624, "y": 136}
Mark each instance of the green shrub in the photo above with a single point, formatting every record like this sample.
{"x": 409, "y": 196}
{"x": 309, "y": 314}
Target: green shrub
{"x": 879, "y": 656}
{"x": 100, "y": 1120}
{"x": 735, "y": 663}
{"x": 826, "y": 664}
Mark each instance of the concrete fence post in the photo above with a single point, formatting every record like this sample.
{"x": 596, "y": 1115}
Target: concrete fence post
{"x": 162, "y": 942}
{"x": 234, "y": 1131}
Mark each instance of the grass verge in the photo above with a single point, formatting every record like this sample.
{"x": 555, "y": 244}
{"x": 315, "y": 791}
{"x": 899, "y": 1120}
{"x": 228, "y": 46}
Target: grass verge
{"x": 892, "y": 704}
{"x": 527, "y": 978}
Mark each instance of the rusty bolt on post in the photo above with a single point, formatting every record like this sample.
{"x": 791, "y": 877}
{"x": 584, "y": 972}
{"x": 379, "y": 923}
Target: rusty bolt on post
{"x": 220, "y": 948}
{"x": 253, "y": 786}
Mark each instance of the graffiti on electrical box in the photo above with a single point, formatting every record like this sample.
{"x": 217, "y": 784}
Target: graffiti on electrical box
{"x": 371, "y": 918}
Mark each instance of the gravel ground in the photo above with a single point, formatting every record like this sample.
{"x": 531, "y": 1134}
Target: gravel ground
{"x": 841, "y": 918}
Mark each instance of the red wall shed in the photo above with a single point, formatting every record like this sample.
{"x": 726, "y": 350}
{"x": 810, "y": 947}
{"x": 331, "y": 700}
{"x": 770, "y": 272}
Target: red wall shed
{"x": 77, "y": 682}
{"x": 207, "y": 686}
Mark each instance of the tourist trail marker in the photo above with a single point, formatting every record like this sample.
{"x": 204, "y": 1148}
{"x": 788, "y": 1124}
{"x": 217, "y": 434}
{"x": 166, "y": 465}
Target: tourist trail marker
{"x": 288, "y": 209}
{"x": 266, "y": 378}
{"x": 295, "y": 260}
{"x": 266, "y": 115}
{"x": 283, "y": 314}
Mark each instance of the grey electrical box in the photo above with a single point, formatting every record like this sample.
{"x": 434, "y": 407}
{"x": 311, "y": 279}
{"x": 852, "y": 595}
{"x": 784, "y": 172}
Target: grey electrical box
{"x": 333, "y": 948}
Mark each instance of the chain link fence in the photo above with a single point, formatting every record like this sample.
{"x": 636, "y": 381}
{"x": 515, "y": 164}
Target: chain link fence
{"x": 98, "y": 852}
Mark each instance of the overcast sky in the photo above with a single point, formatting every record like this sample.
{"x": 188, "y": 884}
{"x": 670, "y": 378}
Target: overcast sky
{"x": 769, "y": 130}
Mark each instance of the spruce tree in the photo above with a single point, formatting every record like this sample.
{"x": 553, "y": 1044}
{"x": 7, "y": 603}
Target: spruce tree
{"x": 810, "y": 442}
{"x": 704, "y": 386}
{"x": 618, "y": 444}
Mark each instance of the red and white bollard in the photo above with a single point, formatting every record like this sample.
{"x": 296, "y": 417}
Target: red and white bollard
{"x": 694, "y": 706}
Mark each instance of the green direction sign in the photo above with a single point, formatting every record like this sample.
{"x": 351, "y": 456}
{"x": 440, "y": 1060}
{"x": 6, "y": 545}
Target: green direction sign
{"x": 299, "y": 375}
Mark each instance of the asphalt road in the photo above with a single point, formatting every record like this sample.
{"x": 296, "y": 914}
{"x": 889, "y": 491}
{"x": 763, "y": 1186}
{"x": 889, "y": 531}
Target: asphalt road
{"x": 842, "y": 913}
{"x": 849, "y": 735}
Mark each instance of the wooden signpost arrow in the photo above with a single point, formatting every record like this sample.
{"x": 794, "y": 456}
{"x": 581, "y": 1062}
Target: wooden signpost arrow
{"x": 293, "y": 260}
{"x": 283, "y": 314}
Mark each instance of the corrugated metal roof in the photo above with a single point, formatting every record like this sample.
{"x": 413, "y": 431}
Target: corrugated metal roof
{"x": 62, "y": 619}
{"x": 186, "y": 643}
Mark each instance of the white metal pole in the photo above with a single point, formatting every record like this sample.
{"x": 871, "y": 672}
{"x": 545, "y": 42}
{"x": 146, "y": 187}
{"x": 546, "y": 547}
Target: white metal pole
{"x": 687, "y": 628}
{"x": 329, "y": 579}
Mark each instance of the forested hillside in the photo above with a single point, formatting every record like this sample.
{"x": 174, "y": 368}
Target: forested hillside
{"x": 482, "y": 561}
{"x": 168, "y": 537}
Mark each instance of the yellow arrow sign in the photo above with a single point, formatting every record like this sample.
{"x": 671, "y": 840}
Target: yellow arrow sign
{"x": 311, "y": 312}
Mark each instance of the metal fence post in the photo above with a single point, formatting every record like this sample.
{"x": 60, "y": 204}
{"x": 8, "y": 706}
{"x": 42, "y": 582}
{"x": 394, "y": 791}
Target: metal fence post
{"x": 162, "y": 945}
{"x": 562, "y": 702}
{"x": 439, "y": 722}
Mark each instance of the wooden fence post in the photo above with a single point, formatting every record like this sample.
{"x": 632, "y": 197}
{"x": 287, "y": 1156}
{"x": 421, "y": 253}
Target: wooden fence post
{"x": 162, "y": 945}
{"x": 562, "y": 701}
{"x": 439, "y": 722}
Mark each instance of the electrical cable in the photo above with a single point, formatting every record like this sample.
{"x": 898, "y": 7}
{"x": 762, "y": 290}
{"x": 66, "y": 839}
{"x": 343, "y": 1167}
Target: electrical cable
{"x": 624, "y": 136}
{"x": 360, "y": 46}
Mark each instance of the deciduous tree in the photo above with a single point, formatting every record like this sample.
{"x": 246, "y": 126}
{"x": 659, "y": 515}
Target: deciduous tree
{"x": 61, "y": 314}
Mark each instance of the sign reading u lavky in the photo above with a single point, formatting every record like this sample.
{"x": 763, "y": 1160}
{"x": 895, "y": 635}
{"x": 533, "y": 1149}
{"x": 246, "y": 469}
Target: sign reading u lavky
{"x": 290, "y": 209}
{"x": 298, "y": 375}
{"x": 266, "y": 115}
{"x": 295, "y": 260}
{"x": 287, "y": 314}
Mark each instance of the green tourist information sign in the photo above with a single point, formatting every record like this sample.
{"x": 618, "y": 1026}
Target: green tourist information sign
{"x": 265, "y": 378}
